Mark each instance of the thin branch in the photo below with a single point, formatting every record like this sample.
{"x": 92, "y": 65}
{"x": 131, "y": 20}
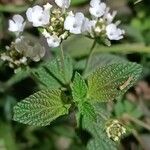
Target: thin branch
{"x": 90, "y": 56}
{"x": 137, "y": 121}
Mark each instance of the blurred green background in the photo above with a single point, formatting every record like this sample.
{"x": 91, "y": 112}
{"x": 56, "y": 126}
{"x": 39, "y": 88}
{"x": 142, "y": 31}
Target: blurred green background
{"x": 133, "y": 108}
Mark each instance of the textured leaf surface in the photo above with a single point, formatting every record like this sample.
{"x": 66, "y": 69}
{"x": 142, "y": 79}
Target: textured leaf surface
{"x": 41, "y": 108}
{"x": 53, "y": 74}
{"x": 87, "y": 111}
{"x": 100, "y": 60}
{"x": 109, "y": 81}
{"x": 46, "y": 78}
{"x": 79, "y": 88}
{"x": 63, "y": 72}
{"x": 99, "y": 140}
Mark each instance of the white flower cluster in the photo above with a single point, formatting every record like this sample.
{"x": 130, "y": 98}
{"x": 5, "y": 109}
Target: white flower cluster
{"x": 57, "y": 24}
{"x": 22, "y": 51}
{"x": 100, "y": 25}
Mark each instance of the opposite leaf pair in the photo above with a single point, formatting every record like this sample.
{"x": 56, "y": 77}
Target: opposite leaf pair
{"x": 103, "y": 85}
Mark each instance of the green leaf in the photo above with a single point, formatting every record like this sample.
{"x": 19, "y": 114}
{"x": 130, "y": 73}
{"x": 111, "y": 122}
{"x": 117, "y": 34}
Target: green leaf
{"x": 62, "y": 71}
{"x": 79, "y": 88}
{"x": 99, "y": 140}
{"x": 45, "y": 78}
{"x": 87, "y": 110}
{"x": 99, "y": 60}
{"x": 41, "y": 108}
{"x": 54, "y": 74}
{"x": 110, "y": 81}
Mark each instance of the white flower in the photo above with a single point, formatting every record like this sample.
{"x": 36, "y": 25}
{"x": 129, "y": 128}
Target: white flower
{"x": 113, "y": 32}
{"x": 23, "y": 60}
{"x": 63, "y": 3}
{"x": 109, "y": 17}
{"x": 48, "y": 6}
{"x": 39, "y": 16}
{"x": 29, "y": 48}
{"x": 74, "y": 23}
{"x": 53, "y": 41}
{"x": 97, "y": 8}
{"x": 17, "y": 24}
{"x": 88, "y": 25}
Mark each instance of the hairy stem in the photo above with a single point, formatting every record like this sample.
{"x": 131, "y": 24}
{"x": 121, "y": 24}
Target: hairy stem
{"x": 137, "y": 121}
{"x": 62, "y": 60}
{"x": 89, "y": 56}
{"x": 62, "y": 55}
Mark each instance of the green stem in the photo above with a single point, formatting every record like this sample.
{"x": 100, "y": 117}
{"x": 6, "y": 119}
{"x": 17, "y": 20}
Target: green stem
{"x": 62, "y": 60}
{"x": 62, "y": 55}
{"x": 137, "y": 121}
{"x": 90, "y": 56}
{"x": 118, "y": 48}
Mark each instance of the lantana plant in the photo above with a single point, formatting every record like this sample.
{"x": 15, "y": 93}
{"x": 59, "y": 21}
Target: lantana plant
{"x": 63, "y": 90}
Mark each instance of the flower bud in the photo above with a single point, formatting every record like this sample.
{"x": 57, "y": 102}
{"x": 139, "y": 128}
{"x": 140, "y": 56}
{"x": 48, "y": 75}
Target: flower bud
{"x": 115, "y": 130}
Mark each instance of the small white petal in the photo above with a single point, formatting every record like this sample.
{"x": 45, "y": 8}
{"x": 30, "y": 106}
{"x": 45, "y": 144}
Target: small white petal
{"x": 68, "y": 24}
{"x": 97, "y": 8}
{"x": 63, "y": 3}
{"x": 23, "y": 60}
{"x": 39, "y": 16}
{"x": 46, "y": 17}
{"x": 114, "y": 33}
{"x": 110, "y": 17}
{"x": 88, "y": 25}
{"x": 29, "y": 14}
{"x": 17, "y": 24}
{"x": 12, "y": 26}
{"x": 53, "y": 41}
{"x": 48, "y": 6}
{"x": 73, "y": 23}
{"x": 18, "y": 18}
{"x": 94, "y": 3}
{"x": 19, "y": 39}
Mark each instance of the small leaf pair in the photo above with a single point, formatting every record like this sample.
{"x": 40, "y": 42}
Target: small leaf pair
{"x": 103, "y": 85}
{"x": 106, "y": 83}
